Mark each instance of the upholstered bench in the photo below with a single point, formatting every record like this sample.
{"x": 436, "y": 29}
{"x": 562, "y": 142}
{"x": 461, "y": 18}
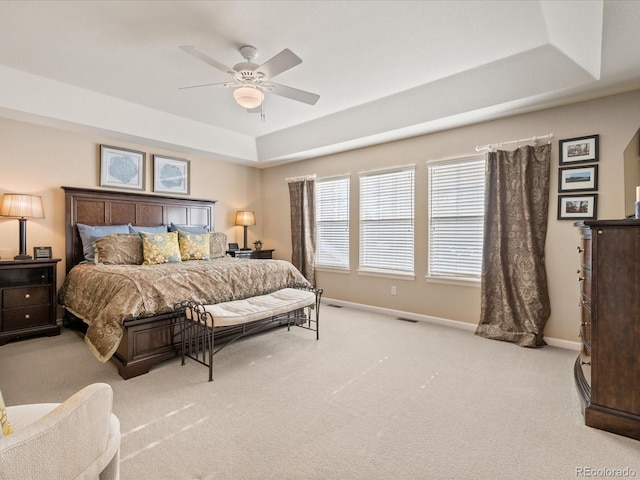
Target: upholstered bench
{"x": 199, "y": 323}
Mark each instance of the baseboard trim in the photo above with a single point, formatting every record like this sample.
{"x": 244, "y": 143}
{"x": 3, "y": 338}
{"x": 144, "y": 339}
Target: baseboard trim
{"x": 554, "y": 342}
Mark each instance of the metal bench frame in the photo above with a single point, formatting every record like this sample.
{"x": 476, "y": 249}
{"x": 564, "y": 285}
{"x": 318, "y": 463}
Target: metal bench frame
{"x": 195, "y": 327}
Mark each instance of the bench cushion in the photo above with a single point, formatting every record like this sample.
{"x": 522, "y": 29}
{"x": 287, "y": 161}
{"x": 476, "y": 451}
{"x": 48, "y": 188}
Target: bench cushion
{"x": 250, "y": 309}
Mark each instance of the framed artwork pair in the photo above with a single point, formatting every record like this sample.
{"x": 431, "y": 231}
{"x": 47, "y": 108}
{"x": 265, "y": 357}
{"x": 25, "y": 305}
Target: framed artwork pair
{"x": 124, "y": 168}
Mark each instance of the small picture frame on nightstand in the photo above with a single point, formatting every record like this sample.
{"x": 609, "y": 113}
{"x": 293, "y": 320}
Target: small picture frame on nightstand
{"x": 41, "y": 253}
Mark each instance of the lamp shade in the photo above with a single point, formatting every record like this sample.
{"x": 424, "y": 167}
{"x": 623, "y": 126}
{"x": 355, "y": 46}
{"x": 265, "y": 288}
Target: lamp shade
{"x": 248, "y": 97}
{"x": 245, "y": 218}
{"x": 22, "y": 206}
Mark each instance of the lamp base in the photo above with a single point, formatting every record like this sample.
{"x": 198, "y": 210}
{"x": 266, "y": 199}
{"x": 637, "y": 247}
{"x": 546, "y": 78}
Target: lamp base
{"x": 23, "y": 257}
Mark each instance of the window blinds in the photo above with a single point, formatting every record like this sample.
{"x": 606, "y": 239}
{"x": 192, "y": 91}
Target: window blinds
{"x": 456, "y": 211}
{"x": 387, "y": 220}
{"x": 332, "y": 222}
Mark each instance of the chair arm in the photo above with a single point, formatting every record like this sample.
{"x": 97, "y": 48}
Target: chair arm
{"x": 67, "y": 442}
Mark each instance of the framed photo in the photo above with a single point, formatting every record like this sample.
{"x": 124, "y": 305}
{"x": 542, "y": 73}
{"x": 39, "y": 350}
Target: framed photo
{"x": 578, "y": 178}
{"x": 170, "y": 175}
{"x": 575, "y": 207}
{"x": 41, "y": 252}
{"x": 579, "y": 150}
{"x": 233, "y": 247}
{"x": 121, "y": 168}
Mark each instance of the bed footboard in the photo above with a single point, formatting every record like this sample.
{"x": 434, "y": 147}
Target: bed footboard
{"x": 150, "y": 340}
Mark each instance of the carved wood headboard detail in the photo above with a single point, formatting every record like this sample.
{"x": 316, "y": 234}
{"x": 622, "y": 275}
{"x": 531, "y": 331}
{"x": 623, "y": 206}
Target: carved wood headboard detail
{"x": 106, "y": 207}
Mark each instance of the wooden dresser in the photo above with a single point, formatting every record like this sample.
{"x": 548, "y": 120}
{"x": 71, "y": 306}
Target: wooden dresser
{"x": 607, "y": 371}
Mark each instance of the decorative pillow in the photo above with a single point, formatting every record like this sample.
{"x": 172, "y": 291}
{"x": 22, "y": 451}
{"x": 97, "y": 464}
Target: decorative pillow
{"x": 218, "y": 244}
{"x": 194, "y": 246}
{"x": 155, "y": 229}
{"x": 89, "y": 234}
{"x": 188, "y": 228}
{"x": 118, "y": 249}
{"x": 160, "y": 248}
{"x": 4, "y": 422}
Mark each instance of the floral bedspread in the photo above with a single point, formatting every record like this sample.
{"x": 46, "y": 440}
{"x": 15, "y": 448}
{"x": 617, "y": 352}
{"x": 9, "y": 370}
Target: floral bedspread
{"x": 104, "y": 296}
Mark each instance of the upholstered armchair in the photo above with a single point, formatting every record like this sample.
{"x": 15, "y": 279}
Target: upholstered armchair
{"x": 76, "y": 439}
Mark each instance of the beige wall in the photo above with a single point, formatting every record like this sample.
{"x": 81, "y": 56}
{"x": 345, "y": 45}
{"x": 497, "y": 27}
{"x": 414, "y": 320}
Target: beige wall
{"x": 39, "y": 160}
{"x": 616, "y": 119}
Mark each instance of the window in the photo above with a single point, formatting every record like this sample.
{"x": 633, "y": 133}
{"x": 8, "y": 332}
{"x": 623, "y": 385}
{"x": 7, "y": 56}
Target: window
{"x": 332, "y": 222}
{"x": 456, "y": 211}
{"x": 387, "y": 221}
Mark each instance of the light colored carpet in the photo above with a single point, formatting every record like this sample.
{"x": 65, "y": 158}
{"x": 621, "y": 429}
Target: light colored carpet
{"x": 374, "y": 398}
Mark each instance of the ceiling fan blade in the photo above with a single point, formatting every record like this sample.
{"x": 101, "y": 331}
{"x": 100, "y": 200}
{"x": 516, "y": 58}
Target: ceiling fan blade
{"x": 284, "y": 60}
{"x": 207, "y": 59}
{"x": 293, "y": 93}
{"x": 203, "y": 85}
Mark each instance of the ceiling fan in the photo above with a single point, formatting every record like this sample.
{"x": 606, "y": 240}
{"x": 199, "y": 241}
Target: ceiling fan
{"x": 250, "y": 81}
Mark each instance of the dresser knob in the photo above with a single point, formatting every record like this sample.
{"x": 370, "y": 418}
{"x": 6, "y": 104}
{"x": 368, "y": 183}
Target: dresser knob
{"x": 580, "y": 250}
{"x": 28, "y": 295}
{"x": 27, "y": 316}
{"x": 584, "y": 324}
{"x": 584, "y": 363}
{"x": 581, "y": 279}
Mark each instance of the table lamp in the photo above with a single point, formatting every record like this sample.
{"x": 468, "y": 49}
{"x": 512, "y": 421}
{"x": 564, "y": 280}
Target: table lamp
{"x": 245, "y": 219}
{"x": 22, "y": 206}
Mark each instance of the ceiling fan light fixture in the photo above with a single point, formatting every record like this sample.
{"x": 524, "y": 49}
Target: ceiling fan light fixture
{"x": 248, "y": 97}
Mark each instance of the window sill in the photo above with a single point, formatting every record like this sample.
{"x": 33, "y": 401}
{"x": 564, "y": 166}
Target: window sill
{"x": 461, "y": 282}
{"x": 386, "y": 274}
{"x": 343, "y": 270}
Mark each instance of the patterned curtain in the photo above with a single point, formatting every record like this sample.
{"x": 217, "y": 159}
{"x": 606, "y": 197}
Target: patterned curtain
{"x": 514, "y": 297}
{"x": 303, "y": 226}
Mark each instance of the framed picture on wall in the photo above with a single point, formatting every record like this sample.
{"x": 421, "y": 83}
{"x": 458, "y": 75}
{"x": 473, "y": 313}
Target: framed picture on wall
{"x": 121, "y": 168}
{"x": 171, "y": 175}
{"x": 578, "y": 178}
{"x": 577, "y": 207}
{"x": 579, "y": 149}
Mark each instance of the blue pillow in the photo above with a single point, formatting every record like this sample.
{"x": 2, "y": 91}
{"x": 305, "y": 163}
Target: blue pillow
{"x": 89, "y": 234}
{"x": 188, "y": 228}
{"x": 157, "y": 229}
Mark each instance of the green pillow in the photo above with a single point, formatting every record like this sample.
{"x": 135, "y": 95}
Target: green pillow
{"x": 160, "y": 248}
{"x": 4, "y": 421}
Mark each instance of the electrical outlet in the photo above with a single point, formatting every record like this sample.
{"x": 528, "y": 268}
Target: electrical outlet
{"x": 393, "y": 290}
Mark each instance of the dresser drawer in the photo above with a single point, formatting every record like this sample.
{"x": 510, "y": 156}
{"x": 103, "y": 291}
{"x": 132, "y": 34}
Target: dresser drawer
{"x": 18, "y": 318}
{"x": 584, "y": 247}
{"x": 584, "y": 277}
{"x": 585, "y": 326}
{"x": 25, "y": 296}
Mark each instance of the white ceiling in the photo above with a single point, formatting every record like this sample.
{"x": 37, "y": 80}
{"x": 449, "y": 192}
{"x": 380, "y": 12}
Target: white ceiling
{"x": 384, "y": 70}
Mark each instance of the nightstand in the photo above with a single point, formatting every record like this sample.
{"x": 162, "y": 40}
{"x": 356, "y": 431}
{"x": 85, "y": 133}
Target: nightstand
{"x": 27, "y": 298}
{"x": 261, "y": 254}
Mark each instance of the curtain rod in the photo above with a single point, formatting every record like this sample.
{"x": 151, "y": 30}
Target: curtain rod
{"x": 491, "y": 146}
{"x": 300, "y": 179}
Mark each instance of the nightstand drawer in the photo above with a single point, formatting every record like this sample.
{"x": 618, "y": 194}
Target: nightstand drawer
{"x": 25, "y": 296}
{"x": 25, "y": 317}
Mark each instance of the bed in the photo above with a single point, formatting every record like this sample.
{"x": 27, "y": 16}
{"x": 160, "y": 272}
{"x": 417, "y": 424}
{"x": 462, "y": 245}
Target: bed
{"x": 127, "y": 309}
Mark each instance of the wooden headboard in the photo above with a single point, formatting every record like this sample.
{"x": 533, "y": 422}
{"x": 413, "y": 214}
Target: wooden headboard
{"x": 105, "y": 207}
